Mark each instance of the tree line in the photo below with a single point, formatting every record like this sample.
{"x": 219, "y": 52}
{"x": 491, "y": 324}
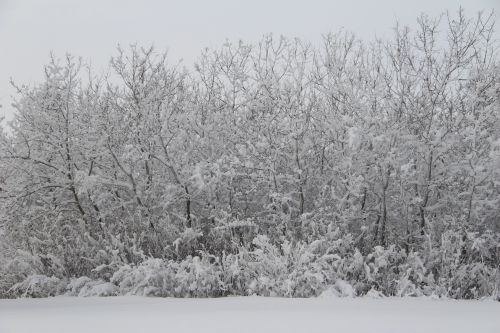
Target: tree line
{"x": 391, "y": 145}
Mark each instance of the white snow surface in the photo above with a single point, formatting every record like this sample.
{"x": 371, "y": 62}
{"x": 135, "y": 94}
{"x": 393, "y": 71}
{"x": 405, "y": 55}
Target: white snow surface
{"x": 247, "y": 314}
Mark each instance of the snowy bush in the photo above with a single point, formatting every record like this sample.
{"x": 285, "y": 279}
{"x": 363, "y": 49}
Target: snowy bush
{"x": 341, "y": 288}
{"x": 38, "y": 286}
{"x": 152, "y": 277}
{"x": 86, "y": 287}
{"x": 192, "y": 277}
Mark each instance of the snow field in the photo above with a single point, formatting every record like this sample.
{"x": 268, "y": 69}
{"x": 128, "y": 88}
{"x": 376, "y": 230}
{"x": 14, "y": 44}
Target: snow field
{"x": 248, "y": 314}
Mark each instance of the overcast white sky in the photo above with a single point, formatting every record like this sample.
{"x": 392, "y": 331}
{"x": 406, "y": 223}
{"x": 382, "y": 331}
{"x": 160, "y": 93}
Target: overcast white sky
{"x": 30, "y": 29}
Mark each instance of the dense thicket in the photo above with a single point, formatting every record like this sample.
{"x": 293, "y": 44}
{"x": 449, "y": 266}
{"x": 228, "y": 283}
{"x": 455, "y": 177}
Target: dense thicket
{"x": 278, "y": 169}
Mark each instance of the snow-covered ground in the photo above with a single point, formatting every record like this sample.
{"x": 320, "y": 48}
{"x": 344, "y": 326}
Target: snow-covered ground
{"x": 247, "y": 314}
